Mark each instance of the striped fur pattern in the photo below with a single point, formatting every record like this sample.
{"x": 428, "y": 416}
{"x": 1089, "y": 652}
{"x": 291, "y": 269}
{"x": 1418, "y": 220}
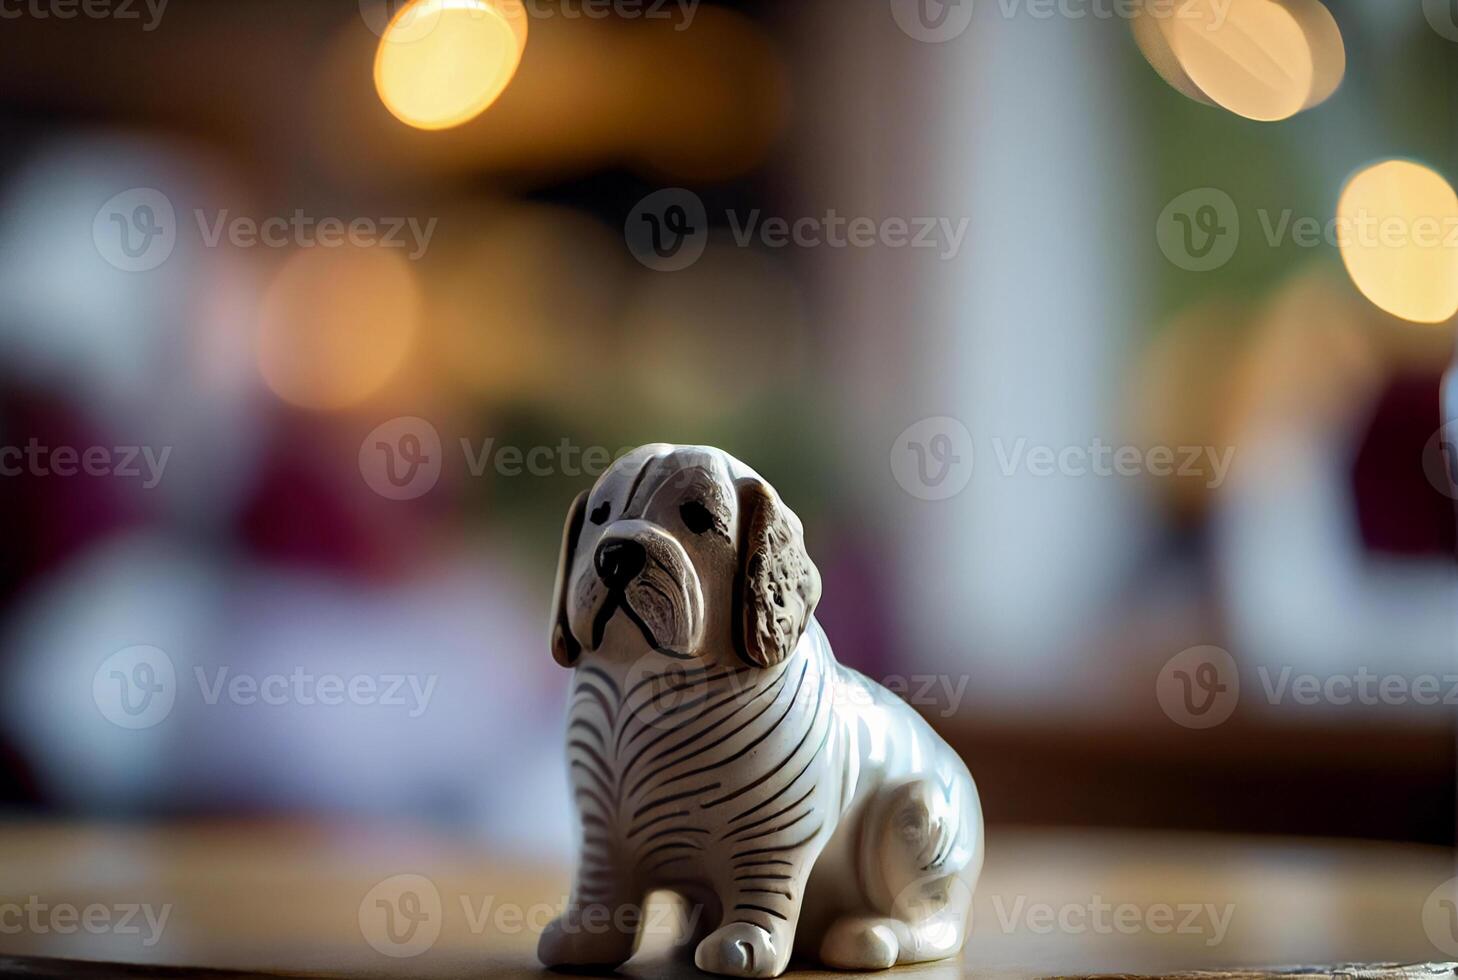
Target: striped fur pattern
{"x": 800, "y": 805}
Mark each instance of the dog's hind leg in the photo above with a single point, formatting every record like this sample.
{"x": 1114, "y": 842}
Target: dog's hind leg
{"x": 921, "y": 851}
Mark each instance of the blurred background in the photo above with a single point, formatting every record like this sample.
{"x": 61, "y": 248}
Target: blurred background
{"x": 1113, "y": 444}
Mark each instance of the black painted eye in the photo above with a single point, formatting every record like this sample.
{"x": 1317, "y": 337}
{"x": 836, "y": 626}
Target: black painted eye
{"x": 600, "y": 512}
{"x": 696, "y": 517}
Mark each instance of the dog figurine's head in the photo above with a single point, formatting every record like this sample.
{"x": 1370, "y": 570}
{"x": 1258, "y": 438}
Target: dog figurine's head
{"x": 686, "y": 551}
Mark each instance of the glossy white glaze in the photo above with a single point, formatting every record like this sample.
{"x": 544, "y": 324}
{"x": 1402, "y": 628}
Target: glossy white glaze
{"x": 717, "y": 749}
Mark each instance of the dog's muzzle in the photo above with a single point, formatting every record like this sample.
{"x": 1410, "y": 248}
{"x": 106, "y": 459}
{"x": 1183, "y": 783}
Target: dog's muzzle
{"x": 645, "y": 574}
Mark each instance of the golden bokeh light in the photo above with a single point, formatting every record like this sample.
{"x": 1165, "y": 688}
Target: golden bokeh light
{"x": 1394, "y": 221}
{"x": 441, "y": 63}
{"x": 1328, "y": 51}
{"x": 590, "y": 96}
{"x": 1150, "y": 36}
{"x": 336, "y": 324}
{"x": 1261, "y": 59}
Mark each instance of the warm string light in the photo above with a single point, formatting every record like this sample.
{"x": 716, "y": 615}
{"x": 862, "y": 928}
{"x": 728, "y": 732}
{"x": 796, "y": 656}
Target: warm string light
{"x": 441, "y": 63}
{"x": 1394, "y": 220}
{"x": 1270, "y": 59}
{"x": 1261, "y": 59}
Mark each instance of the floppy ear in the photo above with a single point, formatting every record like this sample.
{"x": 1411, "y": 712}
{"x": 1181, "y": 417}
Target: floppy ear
{"x": 565, "y": 648}
{"x": 778, "y": 585}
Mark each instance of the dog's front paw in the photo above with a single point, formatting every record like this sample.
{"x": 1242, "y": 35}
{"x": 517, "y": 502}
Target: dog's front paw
{"x": 741, "y": 950}
{"x": 570, "y": 942}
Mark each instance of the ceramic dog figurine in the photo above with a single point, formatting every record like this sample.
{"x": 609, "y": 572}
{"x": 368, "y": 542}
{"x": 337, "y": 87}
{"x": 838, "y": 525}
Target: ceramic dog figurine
{"x": 716, "y": 748}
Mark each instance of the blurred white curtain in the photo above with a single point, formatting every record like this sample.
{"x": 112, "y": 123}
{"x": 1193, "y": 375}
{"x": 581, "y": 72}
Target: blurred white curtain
{"x": 1021, "y": 125}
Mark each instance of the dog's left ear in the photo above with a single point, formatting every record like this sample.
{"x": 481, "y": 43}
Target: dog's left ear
{"x": 778, "y": 585}
{"x": 565, "y": 648}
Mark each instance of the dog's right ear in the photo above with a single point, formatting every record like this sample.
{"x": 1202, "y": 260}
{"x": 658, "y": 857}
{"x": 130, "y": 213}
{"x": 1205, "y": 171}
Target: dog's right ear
{"x": 565, "y": 648}
{"x": 778, "y": 585}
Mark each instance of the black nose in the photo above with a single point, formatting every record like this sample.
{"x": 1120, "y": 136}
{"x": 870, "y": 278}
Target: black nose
{"x": 618, "y": 561}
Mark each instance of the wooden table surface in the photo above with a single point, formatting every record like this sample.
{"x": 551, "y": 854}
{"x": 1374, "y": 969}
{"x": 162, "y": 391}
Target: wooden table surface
{"x": 288, "y": 898}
